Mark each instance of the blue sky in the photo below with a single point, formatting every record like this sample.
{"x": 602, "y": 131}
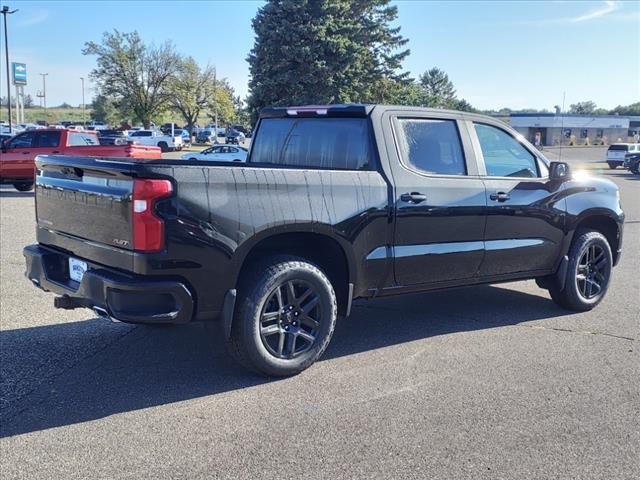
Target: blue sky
{"x": 517, "y": 54}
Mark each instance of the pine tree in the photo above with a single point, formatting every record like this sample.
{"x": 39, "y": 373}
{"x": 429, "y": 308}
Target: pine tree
{"x": 438, "y": 88}
{"x": 323, "y": 51}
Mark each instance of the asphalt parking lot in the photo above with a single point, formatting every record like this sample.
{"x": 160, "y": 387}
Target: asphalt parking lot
{"x": 484, "y": 382}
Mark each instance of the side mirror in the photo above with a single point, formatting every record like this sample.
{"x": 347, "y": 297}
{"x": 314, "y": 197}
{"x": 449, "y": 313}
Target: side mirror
{"x": 559, "y": 170}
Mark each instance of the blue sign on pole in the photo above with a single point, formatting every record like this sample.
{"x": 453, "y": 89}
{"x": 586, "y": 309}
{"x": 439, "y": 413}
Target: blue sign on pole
{"x": 19, "y": 73}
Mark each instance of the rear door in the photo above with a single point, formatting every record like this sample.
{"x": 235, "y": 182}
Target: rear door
{"x": 439, "y": 200}
{"x": 525, "y": 216}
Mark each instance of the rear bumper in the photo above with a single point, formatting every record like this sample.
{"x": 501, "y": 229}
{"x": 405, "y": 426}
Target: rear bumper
{"x": 128, "y": 298}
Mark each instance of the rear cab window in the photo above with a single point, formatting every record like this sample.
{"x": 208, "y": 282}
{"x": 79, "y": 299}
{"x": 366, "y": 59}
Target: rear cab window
{"x": 324, "y": 143}
{"x": 79, "y": 139}
{"x": 619, "y": 147}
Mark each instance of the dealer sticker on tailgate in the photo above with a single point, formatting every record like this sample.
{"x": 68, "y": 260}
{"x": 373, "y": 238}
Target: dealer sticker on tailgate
{"x": 77, "y": 269}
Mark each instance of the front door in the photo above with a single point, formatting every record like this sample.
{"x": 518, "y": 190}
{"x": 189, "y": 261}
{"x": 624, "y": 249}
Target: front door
{"x": 17, "y": 161}
{"x": 439, "y": 202}
{"x": 525, "y": 218}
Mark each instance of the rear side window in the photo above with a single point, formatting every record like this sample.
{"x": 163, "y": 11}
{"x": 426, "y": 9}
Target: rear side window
{"x": 48, "y": 139}
{"x": 503, "y": 155}
{"x": 431, "y": 146}
{"x": 334, "y": 143}
{"x": 78, "y": 139}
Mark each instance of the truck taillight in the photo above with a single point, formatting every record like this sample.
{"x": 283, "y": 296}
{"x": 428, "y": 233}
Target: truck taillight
{"x": 148, "y": 229}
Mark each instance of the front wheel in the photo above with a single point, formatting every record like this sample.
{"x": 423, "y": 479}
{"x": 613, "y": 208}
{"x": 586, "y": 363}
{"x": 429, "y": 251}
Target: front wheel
{"x": 588, "y": 272}
{"x": 23, "y": 186}
{"x": 285, "y": 317}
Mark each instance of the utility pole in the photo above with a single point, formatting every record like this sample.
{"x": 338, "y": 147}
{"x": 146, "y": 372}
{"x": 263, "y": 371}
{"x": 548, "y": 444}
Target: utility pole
{"x": 84, "y": 120}
{"x": 5, "y": 11}
{"x": 44, "y": 92}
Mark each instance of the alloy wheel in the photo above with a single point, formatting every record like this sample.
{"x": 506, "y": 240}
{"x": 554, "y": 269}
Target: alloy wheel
{"x": 290, "y": 319}
{"x": 592, "y": 272}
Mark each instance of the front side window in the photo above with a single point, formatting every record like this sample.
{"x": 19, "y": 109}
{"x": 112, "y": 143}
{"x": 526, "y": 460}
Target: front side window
{"x": 431, "y": 146}
{"x": 335, "y": 143}
{"x": 26, "y": 140}
{"x": 79, "y": 139}
{"x": 503, "y": 155}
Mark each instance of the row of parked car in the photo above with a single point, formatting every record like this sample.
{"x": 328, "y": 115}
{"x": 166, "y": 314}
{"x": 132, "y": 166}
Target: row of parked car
{"x": 19, "y": 149}
{"x": 625, "y": 155}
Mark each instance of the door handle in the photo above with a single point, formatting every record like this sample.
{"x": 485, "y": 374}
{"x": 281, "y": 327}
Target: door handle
{"x": 56, "y": 151}
{"x": 26, "y": 153}
{"x": 413, "y": 197}
{"x": 500, "y": 196}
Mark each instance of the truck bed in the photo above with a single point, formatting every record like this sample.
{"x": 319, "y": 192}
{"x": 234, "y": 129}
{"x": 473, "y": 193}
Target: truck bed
{"x": 217, "y": 212}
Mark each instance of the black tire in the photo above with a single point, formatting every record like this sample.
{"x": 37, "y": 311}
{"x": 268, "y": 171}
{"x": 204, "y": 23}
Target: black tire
{"x": 582, "y": 295}
{"x": 260, "y": 320}
{"x": 23, "y": 187}
{"x": 193, "y": 159}
{"x": 612, "y": 165}
{"x": 635, "y": 168}
{"x": 163, "y": 147}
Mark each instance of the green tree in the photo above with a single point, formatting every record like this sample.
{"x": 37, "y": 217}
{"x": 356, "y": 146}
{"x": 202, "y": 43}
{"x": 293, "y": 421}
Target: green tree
{"x": 582, "y": 107}
{"x": 110, "y": 111}
{"x": 323, "y": 51}
{"x": 221, "y": 103}
{"x": 131, "y": 71}
{"x": 463, "y": 106}
{"x": 191, "y": 90}
{"x": 633, "y": 109}
{"x": 439, "y": 90}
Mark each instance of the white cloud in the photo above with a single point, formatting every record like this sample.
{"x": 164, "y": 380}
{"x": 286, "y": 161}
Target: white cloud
{"x": 38, "y": 16}
{"x": 608, "y": 7}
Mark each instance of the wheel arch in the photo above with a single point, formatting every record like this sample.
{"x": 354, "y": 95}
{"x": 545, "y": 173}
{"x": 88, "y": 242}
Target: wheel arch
{"x": 603, "y": 221}
{"x": 317, "y": 244}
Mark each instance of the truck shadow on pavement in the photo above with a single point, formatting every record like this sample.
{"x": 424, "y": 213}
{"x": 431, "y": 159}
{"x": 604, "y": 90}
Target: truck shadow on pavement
{"x": 68, "y": 373}
{"x": 14, "y": 194}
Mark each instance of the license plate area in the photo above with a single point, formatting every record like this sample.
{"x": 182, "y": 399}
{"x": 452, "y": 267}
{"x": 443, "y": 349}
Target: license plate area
{"x": 77, "y": 268}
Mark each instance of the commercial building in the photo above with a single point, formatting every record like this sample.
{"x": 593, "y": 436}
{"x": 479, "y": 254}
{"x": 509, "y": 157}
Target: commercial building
{"x": 548, "y": 129}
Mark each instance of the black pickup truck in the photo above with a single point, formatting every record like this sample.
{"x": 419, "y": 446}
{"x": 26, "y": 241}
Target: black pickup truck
{"x": 334, "y": 203}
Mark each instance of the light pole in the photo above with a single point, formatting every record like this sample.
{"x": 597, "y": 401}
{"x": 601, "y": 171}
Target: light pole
{"x": 44, "y": 92}
{"x": 5, "y": 12}
{"x": 84, "y": 120}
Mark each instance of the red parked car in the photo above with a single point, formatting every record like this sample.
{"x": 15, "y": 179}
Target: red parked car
{"x": 17, "y": 161}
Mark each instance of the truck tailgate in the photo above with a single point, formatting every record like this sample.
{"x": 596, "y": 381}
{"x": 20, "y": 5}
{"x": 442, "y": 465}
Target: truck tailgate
{"x": 85, "y": 198}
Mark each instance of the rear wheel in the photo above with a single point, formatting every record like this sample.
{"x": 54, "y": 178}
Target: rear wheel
{"x": 163, "y": 147}
{"x": 285, "y": 317}
{"x": 588, "y": 272}
{"x": 23, "y": 186}
{"x": 612, "y": 165}
{"x": 635, "y": 168}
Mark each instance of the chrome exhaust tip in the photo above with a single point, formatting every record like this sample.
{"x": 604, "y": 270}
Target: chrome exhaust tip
{"x": 102, "y": 313}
